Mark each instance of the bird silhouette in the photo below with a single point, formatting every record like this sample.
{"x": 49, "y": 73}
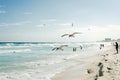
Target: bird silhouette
{"x": 71, "y": 35}
{"x": 72, "y": 25}
{"x": 59, "y": 48}
{"x": 109, "y": 68}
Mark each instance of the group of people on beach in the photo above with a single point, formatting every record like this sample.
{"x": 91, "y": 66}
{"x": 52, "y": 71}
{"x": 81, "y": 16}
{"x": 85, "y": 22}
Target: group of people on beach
{"x": 116, "y": 46}
{"x": 101, "y": 46}
{"x": 74, "y": 49}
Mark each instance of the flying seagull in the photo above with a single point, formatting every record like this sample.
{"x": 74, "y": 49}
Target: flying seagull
{"x": 72, "y": 24}
{"x": 71, "y": 35}
{"x": 44, "y": 25}
{"x": 59, "y": 48}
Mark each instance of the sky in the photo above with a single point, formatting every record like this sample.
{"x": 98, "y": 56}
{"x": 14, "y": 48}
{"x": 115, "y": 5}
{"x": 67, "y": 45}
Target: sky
{"x": 47, "y": 20}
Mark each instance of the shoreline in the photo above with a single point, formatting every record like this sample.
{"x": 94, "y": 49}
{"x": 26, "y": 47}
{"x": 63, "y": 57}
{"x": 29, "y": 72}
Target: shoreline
{"x": 91, "y": 70}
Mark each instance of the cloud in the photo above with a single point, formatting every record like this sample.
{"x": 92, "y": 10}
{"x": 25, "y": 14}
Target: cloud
{"x": 27, "y": 13}
{"x": 14, "y": 24}
{"x": 40, "y": 25}
{"x": 2, "y": 12}
{"x": 58, "y": 23}
{"x": 48, "y": 20}
{"x": 64, "y": 24}
{"x": 94, "y": 33}
{"x": 2, "y": 6}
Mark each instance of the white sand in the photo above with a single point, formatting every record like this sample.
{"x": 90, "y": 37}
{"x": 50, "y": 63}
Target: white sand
{"x": 107, "y": 57}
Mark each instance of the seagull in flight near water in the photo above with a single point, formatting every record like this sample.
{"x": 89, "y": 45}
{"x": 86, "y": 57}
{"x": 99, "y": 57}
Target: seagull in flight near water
{"x": 71, "y": 35}
{"x": 59, "y": 48}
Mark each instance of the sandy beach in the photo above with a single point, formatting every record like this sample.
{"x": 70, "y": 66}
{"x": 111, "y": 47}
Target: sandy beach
{"x": 102, "y": 66}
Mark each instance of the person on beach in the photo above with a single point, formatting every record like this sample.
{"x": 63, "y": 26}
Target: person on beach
{"x": 80, "y": 47}
{"x": 101, "y": 46}
{"x": 74, "y": 49}
{"x": 116, "y": 46}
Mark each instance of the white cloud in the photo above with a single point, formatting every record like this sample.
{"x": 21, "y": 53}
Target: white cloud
{"x": 93, "y": 33}
{"x": 48, "y": 20}
{"x": 27, "y": 13}
{"x": 14, "y": 24}
{"x": 2, "y": 6}
{"x": 40, "y": 25}
{"x": 58, "y": 23}
{"x": 2, "y": 12}
{"x": 67, "y": 23}
{"x": 64, "y": 24}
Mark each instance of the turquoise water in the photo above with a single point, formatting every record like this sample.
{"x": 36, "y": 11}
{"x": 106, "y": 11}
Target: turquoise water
{"x": 23, "y": 56}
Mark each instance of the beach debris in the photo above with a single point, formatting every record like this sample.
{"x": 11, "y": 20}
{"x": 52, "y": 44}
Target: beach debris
{"x": 106, "y": 60}
{"x": 59, "y": 48}
{"x": 96, "y": 77}
{"x": 71, "y": 35}
{"x": 107, "y": 54}
{"x": 103, "y": 55}
{"x": 109, "y": 68}
{"x": 99, "y": 64}
{"x": 89, "y": 71}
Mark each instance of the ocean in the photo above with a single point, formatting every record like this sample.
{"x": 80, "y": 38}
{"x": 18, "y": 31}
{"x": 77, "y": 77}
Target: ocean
{"x": 37, "y": 61}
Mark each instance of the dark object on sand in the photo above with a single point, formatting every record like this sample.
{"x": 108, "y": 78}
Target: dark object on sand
{"x": 116, "y": 46}
{"x": 106, "y": 60}
{"x": 109, "y": 68}
{"x": 96, "y": 77}
{"x": 99, "y": 64}
{"x": 89, "y": 71}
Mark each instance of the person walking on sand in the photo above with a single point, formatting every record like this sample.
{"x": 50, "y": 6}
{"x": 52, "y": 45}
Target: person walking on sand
{"x": 116, "y": 46}
{"x": 80, "y": 47}
{"x": 74, "y": 49}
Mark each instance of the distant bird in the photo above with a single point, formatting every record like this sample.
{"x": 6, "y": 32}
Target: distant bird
{"x": 59, "y": 48}
{"x": 89, "y": 29}
{"x": 44, "y": 25}
{"x": 109, "y": 68}
{"x": 71, "y": 35}
{"x": 72, "y": 24}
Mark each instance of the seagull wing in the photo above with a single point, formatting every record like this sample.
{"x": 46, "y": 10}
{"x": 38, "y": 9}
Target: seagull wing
{"x": 64, "y": 35}
{"x": 63, "y": 46}
{"x": 53, "y": 49}
{"x": 76, "y": 33}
